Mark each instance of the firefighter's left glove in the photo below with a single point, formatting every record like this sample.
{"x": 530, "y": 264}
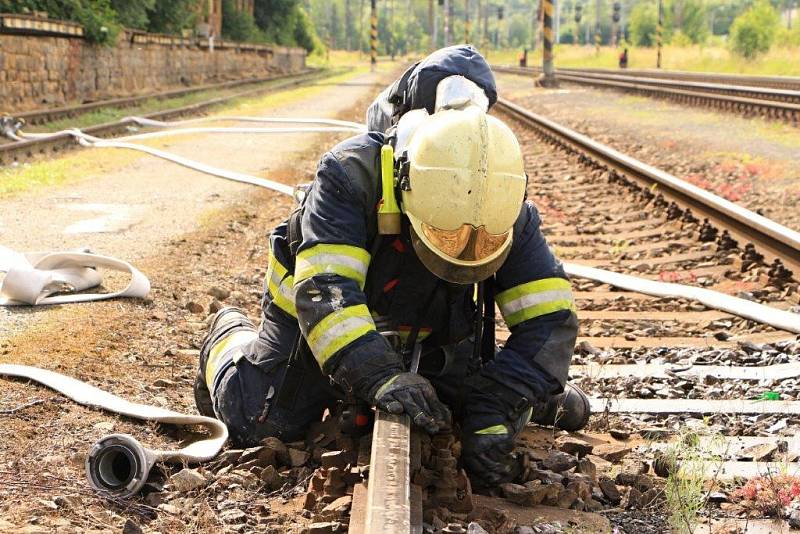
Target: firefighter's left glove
{"x": 413, "y": 395}
{"x": 488, "y": 455}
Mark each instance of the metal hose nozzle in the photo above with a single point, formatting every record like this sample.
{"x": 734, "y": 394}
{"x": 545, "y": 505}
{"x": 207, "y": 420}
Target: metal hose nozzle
{"x": 119, "y": 464}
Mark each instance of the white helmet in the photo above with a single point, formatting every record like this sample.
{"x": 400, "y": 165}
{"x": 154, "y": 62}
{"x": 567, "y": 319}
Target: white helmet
{"x": 463, "y": 189}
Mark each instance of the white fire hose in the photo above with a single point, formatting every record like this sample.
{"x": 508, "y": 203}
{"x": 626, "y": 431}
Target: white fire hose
{"x": 120, "y": 464}
{"x": 33, "y": 278}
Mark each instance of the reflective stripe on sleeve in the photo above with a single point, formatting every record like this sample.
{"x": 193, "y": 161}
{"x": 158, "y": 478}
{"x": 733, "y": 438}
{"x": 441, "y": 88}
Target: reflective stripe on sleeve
{"x": 338, "y": 330}
{"x": 280, "y": 286}
{"x": 344, "y": 260}
{"x": 533, "y": 299}
{"x": 496, "y": 430}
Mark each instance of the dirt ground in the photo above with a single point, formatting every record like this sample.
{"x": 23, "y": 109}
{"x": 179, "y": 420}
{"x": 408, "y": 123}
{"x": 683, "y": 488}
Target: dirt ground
{"x": 190, "y": 234}
{"x": 749, "y": 161}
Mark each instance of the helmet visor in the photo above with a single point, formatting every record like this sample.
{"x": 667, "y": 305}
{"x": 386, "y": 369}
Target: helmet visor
{"x": 465, "y": 243}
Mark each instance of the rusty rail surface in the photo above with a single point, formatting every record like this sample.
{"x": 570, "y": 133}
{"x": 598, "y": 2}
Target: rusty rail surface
{"x": 774, "y": 240}
{"x": 28, "y": 149}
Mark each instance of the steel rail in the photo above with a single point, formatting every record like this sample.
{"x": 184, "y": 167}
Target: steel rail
{"x": 772, "y": 239}
{"x": 778, "y": 103}
{"x": 775, "y": 82}
{"x": 747, "y": 91}
{"x": 388, "y": 506}
{"x": 28, "y": 149}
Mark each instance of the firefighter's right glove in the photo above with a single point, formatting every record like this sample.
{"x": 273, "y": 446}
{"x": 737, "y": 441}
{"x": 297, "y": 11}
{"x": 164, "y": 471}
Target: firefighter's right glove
{"x": 413, "y": 395}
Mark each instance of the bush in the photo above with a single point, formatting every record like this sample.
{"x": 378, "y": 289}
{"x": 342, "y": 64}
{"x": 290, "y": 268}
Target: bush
{"x": 753, "y": 32}
{"x": 643, "y": 23}
{"x": 97, "y": 17}
{"x": 680, "y": 39}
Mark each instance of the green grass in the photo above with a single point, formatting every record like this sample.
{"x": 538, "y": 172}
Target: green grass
{"x": 150, "y": 105}
{"x": 778, "y": 62}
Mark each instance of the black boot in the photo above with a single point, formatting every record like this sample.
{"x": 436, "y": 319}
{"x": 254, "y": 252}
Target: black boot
{"x": 225, "y": 322}
{"x": 568, "y": 411}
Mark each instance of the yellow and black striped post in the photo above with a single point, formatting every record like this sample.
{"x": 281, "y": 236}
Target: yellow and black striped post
{"x": 467, "y": 21}
{"x": 598, "y": 37}
{"x": 373, "y": 34}
{"x": 548, "y": 78}
{"x": 659, "y": 33}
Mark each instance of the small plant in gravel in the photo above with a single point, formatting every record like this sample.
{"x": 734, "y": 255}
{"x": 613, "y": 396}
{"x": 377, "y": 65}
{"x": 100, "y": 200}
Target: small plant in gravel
{"x": 685, "y": 490}
{"x": 770, "y": 495}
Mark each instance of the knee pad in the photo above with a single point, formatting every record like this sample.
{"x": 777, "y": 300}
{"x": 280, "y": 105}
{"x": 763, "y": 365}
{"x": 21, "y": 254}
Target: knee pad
{"x": 230, "y": 331}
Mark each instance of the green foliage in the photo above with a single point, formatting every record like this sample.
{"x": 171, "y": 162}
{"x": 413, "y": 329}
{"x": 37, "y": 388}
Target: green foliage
{"x": 284, "y": 22}
{"x": 687, "y": 17}
{"x": 643, "y": 23}
{"x": 754, "y": 31}
{"x": 305, "y": 35}
{"x": 97, "y": 16}
{"x": 133, "y": 13}
{"x": 686, "y": 461}
{"x": 788, "y": 38}
{"x": 238, "y": 25}
{"x": 172, "y": 16}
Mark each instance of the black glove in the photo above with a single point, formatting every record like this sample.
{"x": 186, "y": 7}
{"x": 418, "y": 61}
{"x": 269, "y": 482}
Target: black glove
{"x": 488, "y": 453}
{"x": 412, "y": 394}
{"x": 488, "y": 458}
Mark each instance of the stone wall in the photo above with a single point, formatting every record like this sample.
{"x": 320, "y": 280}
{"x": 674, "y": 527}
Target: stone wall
{"x": 45, "y": 71}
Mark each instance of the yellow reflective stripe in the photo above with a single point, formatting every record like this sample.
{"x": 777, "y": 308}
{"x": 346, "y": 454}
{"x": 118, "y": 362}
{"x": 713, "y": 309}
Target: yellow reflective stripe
{"x": 338, "y": 330}
{"x": 385, "y": 386}
{"x": 280, "y": 286}
{"x": 533, "y": 299}
{"x": 344, "y": 260}
{"x": 496, "y": 430}
{"x": 221, "y": 352}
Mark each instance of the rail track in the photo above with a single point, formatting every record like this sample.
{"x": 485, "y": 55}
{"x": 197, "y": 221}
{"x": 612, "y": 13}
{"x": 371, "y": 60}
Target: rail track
{"x": 745, "y": 98}
{"x": 12, "y": 152}
{"x": 657, "y": 369}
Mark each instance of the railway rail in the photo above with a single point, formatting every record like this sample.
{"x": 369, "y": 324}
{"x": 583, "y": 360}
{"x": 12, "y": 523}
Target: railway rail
{"x": 773, "y": 103}
{"x": 651, "y": 365}
{"x": 776, "y": 82}
{"x": 45, "y": 147}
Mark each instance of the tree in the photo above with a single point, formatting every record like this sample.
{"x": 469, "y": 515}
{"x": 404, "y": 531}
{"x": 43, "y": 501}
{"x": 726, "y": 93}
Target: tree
{"x": 687, "y": 17}
{"x": 643, "y": 24}
{"x": 133, "y": 13}
{"x": 284, "y": 22}
{"x": 172, "y": 16}
{"x": 753, "y": 32}
{"x": 238, "y": 25}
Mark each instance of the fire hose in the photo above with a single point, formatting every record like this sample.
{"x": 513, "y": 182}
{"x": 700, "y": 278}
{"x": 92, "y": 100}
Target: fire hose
{"x": 119, "y": 464}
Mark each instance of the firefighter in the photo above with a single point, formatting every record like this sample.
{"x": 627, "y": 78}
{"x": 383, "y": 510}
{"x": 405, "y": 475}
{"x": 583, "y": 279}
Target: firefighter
{"x": 406, "y": 239}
